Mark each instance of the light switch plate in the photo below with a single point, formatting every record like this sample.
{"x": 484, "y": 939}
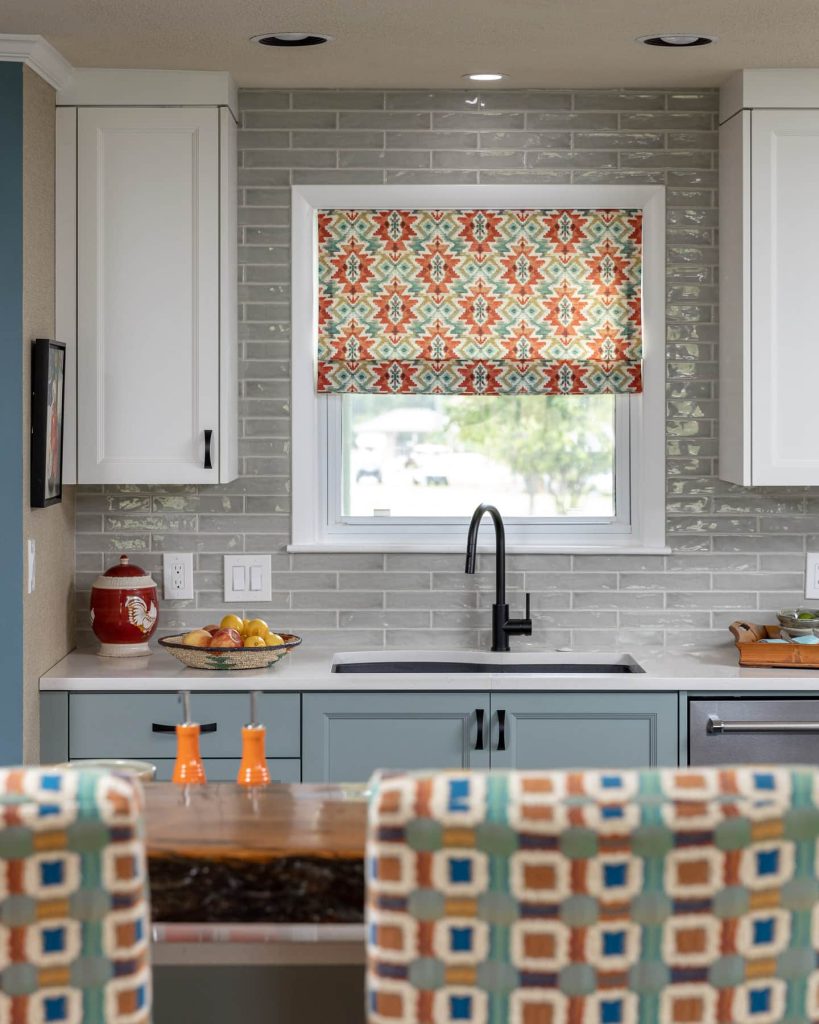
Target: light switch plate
{"x": 812, "y": 575}
{"x": 247, "y": 579}
{"x": 177, "y": 576}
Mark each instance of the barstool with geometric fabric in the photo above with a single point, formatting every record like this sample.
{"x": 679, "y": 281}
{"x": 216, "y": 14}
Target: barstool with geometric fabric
{"x": 74, "y": 910}
{"x": 672, "y": 896}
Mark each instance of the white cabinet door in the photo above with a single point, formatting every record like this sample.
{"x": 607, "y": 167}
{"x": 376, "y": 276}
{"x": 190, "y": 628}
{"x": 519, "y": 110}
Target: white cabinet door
{"x": 784, "y": 297}
{"x": 148, "y": 294}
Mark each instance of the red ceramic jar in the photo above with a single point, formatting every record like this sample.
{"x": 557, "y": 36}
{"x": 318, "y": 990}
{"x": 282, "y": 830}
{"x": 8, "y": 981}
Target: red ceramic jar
{"x": 124, "y": 610}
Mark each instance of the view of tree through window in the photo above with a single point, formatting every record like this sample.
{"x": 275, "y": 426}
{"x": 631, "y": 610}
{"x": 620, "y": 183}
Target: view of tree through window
{"x": 435, "y": 455}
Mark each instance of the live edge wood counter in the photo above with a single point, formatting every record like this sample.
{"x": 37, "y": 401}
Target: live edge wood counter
{"x": 220, "y": 853}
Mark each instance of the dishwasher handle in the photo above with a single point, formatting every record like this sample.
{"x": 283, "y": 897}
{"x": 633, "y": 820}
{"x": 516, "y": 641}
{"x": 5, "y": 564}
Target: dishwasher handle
{"x": 716, "y": 726}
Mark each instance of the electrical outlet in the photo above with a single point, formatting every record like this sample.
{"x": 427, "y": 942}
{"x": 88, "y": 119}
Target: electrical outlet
{"x": 812, "y": 575}
{"x": 247, "y": 579}
{"x": 177, "y": 576}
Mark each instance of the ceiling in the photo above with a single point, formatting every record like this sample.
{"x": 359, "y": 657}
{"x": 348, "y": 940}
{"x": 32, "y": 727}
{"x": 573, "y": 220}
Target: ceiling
{"x": 429, "y": 43}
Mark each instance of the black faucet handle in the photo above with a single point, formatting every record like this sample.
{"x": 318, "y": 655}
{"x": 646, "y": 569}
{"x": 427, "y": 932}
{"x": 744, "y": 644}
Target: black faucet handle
{"x": 520, "y": 627}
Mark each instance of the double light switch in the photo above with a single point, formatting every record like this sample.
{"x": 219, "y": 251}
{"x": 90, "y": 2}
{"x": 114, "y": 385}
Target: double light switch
{"x": 247, "y": 578}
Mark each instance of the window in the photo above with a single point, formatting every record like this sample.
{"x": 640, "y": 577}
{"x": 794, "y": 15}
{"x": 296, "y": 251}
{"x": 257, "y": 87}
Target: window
{"x": 405, "y": 471}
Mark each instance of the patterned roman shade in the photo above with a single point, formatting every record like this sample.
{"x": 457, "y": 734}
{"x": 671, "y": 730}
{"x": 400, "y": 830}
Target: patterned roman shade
{"x": 490, "y": 302}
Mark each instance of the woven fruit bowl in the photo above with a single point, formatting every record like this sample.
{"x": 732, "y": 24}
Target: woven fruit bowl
{"x": 228, "y": 659}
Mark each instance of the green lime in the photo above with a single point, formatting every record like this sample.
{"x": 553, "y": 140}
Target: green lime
{"x": 806, "y": 615}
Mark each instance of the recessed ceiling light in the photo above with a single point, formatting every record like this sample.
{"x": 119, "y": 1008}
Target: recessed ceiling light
{"x": 678, "y": 39}
{"x": 290, "y": 39}
{"x": 485, "y": 76}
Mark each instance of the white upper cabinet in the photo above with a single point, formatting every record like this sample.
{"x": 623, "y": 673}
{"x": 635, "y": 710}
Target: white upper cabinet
{"x": 155, "y": 301}
{"x": 769, "y": 334}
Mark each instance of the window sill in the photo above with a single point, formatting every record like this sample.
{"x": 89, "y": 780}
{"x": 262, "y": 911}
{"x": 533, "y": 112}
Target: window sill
{"x": 420, "y": 547}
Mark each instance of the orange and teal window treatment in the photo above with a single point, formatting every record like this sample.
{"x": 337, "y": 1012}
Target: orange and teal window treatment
{"x": 489, "y": 302}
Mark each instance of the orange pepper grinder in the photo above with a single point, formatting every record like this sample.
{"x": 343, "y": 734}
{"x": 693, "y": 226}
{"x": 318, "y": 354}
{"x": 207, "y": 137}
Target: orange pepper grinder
{"x": 253, "y": 770}
{"x": 188, "y": 769}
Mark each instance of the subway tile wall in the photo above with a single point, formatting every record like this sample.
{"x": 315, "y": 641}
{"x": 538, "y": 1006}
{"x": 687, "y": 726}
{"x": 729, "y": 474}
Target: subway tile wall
{"x": 736, "y": 552}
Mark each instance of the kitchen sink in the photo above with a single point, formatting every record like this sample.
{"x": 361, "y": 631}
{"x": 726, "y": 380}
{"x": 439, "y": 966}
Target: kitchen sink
{"x": 450, "y": 662}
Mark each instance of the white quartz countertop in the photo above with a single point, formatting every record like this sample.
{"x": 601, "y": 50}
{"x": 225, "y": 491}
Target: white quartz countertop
{"x": 711, "y": 669}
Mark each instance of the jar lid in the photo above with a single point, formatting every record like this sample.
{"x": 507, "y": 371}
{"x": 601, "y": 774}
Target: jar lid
{"x": 124, "y": 575}
{"x": 125, "y": 568}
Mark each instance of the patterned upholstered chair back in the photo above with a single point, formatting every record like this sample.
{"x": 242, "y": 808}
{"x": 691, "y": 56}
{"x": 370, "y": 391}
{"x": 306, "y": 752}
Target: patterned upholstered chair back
{"x": 594, "y": 897}
{"x": 74, "y": 926}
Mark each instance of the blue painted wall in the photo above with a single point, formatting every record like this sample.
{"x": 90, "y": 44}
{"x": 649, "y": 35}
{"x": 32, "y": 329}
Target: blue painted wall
{"x": 11, "y": 412}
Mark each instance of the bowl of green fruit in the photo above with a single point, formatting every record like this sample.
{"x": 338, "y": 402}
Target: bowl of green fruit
{"x": 799, "y": 618}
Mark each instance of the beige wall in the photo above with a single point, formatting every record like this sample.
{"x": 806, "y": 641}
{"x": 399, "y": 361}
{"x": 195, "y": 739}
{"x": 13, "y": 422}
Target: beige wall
{"x": 48, "y": 613}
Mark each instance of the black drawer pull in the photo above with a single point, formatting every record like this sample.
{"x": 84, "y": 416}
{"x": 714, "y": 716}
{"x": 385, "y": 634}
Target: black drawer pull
{"x": 479, "y": 740}
{"x": 208, "y": 438}
{"x": 501, "y": 730}
{"x": 159, "y": 727}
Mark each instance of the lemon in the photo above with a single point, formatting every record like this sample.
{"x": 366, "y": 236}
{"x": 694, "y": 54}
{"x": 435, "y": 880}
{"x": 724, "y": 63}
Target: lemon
{"x": 257, "y": 627}
{"x": 231, "y": 622}
{"x": 273, "y": 640}
{"x": 253, "y": 641}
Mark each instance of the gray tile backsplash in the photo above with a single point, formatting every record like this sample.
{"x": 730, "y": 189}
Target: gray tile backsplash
{"x": 737, "y": 552}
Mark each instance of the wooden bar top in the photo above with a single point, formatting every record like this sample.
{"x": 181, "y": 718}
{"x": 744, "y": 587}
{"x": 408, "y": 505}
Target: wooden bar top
{"x": 221, "y": 820}
{"x": 220, "y": 853}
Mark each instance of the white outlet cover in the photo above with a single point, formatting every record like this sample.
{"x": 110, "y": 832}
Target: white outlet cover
{"x": 177, "y": 575}
{"x": 812, "y": 575}
{"x": 247, "y": 579}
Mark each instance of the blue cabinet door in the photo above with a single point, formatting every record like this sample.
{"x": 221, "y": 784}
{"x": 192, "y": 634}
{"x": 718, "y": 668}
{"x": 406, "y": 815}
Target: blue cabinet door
{"x": 347, "y": 736}
{"x": 583, "y": 730}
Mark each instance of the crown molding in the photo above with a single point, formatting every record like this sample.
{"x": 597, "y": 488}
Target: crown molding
{"x": 40, "y": 56}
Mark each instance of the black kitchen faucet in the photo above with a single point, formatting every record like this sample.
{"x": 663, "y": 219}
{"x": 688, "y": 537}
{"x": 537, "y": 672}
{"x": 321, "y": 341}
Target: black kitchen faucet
{"x": 502, "y": 626}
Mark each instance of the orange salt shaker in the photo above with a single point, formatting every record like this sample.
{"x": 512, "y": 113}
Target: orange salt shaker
{"x": 188, "y": 769}
{"x": 253, "y": 770}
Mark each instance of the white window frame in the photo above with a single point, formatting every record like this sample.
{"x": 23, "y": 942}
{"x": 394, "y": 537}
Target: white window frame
{"x": 316, "y": 418}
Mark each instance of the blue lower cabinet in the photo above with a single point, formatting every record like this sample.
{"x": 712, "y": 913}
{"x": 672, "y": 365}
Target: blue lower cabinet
{"x": 583, "y": 730}
{"x": 347, "y": 736}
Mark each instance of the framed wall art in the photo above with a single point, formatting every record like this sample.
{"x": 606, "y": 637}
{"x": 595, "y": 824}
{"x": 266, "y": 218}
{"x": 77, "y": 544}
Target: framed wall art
{"x": 47, "y": 414}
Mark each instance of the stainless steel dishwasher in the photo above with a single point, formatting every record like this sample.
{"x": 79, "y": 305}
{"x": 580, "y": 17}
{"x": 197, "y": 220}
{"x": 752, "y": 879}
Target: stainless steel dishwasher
{"x": 753, "y": 731}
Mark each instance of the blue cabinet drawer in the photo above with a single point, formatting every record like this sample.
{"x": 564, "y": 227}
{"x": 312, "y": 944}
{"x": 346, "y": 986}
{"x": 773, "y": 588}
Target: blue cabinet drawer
{"x": 122, "y": 724}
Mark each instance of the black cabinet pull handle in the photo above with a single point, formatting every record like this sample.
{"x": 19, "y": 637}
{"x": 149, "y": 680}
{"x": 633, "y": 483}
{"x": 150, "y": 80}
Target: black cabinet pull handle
{"x": 501, "y": 730}
{"x": 208, "y": 438}
{"x": 159, "y": 727}
{"x": 479, "y": 741}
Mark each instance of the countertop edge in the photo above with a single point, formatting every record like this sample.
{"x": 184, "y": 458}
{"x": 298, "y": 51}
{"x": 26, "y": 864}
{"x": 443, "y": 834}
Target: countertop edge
{"x": 712, "y": 670}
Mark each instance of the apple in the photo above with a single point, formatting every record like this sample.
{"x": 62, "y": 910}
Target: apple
{"x": 211, "y": 629}
{"x": 197, "y": 638}
{"x": 226, "y": 638}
